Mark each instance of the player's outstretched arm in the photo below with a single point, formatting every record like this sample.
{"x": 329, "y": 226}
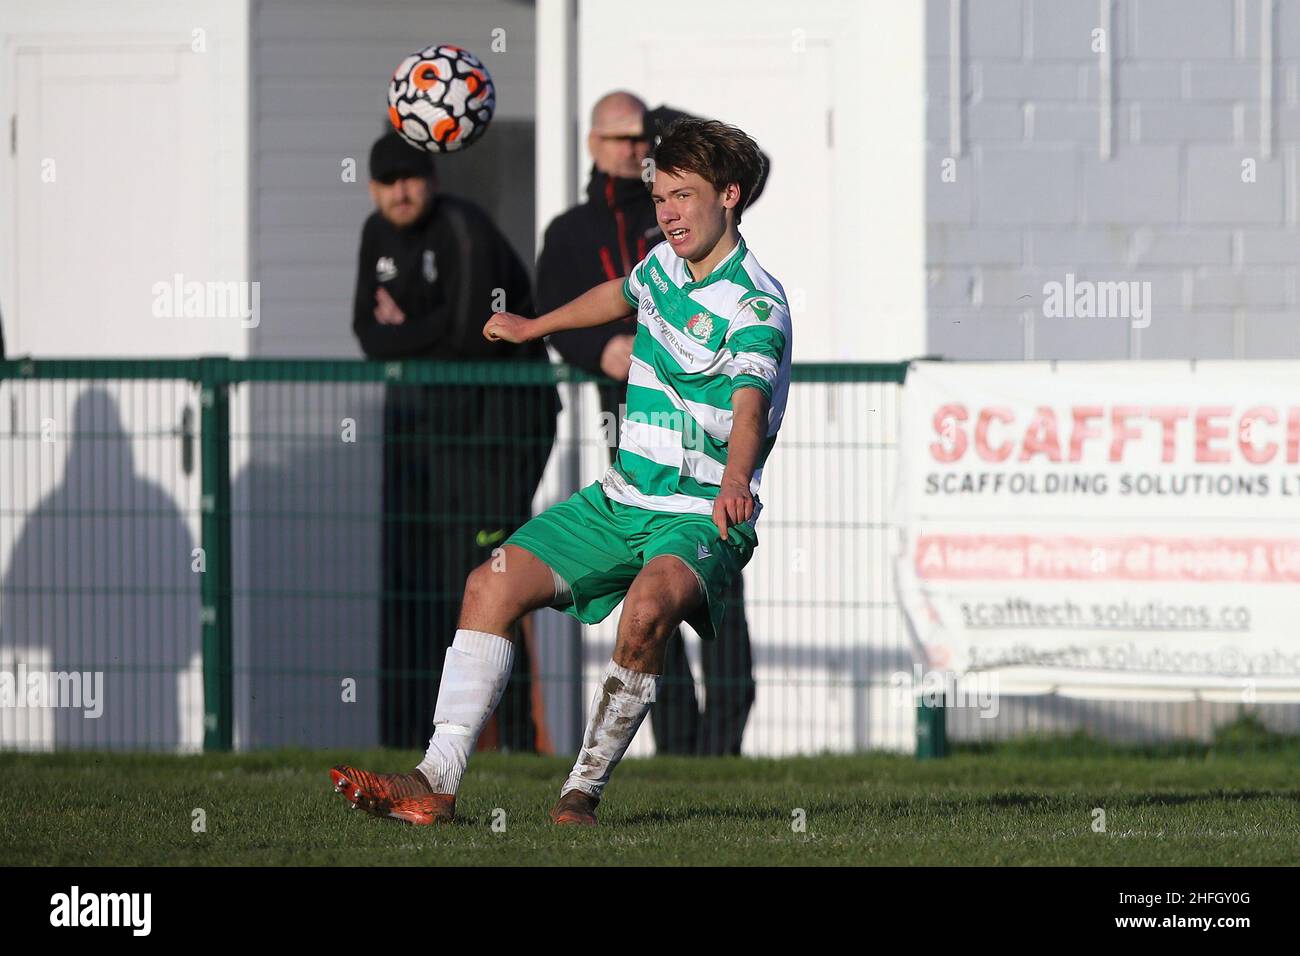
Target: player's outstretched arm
{"x": 735, "y": 503}
{"x": 597, "y": 306}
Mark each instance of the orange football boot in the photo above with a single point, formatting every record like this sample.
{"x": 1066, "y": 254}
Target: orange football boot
{"x": 576, "y": 808}
{"x": 401, "y": 796}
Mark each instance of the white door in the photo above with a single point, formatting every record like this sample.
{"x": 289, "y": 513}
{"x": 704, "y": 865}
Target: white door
{"x": 123, "y": 221}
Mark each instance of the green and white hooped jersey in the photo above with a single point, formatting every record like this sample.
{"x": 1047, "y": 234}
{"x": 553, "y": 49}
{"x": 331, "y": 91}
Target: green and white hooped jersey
{"x": 696, "y": 343}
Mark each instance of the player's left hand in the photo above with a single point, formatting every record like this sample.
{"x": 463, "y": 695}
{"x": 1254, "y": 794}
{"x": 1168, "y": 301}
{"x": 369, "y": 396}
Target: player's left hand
{"x": 734, "y": 505}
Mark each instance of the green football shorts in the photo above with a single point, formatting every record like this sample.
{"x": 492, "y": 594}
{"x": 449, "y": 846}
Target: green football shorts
{"x": 598, "y": 546}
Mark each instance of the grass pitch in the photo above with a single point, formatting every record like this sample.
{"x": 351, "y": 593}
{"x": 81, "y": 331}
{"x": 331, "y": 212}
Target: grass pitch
{"x": 1002, "y": 807}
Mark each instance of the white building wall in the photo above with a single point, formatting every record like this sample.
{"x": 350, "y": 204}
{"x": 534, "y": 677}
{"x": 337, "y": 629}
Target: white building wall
{"x": 833, "y": 91}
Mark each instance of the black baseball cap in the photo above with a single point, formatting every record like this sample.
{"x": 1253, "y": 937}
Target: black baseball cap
{"x": 393, "y": 158}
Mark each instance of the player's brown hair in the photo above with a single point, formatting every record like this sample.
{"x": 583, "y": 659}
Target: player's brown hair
{"x": 716, "y": 152}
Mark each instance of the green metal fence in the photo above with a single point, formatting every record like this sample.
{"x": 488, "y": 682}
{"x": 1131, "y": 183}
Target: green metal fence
{"x": 269, "y": 552}
{"x": 213, "y": 536}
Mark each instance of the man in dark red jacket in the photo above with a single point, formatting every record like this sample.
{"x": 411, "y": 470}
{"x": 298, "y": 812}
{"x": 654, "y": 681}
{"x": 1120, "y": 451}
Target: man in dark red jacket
{"x": 599, "y": 240}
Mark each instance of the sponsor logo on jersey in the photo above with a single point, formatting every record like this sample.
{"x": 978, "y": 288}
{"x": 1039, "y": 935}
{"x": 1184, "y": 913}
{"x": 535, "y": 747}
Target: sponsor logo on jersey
{"x": 385, "y": 269}
{"x": 746, "y": 366}
{"x": 673, "y": 342}
{"x": 659, "y": 281}
{"x": 700, "y": 325}
{"x": 762, "y": 308}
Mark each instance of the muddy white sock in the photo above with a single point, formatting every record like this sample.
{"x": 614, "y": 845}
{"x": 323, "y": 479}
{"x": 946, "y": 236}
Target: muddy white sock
{"x": 621, "y": 703}
{"x": 474, "y": 676}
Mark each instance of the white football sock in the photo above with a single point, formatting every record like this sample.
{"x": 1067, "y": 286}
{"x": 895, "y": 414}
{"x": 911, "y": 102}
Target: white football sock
{"x": 620, "y": 704}
{"x": 474, "y": 676}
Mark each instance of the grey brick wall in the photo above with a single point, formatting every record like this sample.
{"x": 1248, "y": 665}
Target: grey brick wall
{"x": 1034, "y": 200}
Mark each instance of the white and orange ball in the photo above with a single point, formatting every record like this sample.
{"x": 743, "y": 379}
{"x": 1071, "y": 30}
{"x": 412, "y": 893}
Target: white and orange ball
{"x": 441, "y": 99}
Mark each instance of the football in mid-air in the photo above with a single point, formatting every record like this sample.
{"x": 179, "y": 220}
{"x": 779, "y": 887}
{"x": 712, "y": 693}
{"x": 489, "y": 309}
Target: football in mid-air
{"x": 441, "y": 99}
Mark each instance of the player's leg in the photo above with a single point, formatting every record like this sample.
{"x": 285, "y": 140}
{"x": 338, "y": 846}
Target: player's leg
{"x": 661, "y": 596}
{"x": 574, "y": 556}
{"x": 687, "y": 573}
{"x": 498, "y": 593}
{"x": 474, "y": 674}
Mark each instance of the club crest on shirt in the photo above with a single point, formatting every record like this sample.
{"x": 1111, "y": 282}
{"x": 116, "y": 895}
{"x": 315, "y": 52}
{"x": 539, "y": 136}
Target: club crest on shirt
{"x": 700, "y": 325}
{"x": 430, "y": 266}
{"x": 385, "y": 269}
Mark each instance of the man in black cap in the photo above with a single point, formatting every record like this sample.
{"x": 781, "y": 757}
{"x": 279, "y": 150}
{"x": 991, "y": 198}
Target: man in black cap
{"x": 593, "y": 242}
{"x": 461, "y": 462}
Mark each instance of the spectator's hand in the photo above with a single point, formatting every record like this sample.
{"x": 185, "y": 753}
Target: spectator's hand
{"x": 616, "y": 359}
{"x": 507, "y": 327}
{"x": 734, "y": 505}
{"x": 386, "y": 310}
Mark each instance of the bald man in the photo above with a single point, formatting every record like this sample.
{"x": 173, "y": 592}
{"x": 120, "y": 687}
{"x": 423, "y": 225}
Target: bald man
{"x": 599, "y": 240}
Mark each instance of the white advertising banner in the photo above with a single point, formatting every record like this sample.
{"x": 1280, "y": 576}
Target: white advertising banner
{"x": 1104, "y": 529}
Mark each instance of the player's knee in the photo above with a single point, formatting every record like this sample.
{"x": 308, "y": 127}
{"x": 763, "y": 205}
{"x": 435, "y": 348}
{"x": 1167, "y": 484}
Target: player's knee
{"x": 648, "y": 620}
{"x": 485, "y": 587}
{"x": 640, "y": 650}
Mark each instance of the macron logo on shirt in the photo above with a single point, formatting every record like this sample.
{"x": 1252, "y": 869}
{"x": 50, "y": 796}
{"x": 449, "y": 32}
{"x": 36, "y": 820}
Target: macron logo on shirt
{"x": 660, "y": 282}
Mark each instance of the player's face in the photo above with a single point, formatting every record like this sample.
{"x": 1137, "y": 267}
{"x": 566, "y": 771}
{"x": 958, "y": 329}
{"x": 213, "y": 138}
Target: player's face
{"x": 402, "y": 201}
{"x": 692, "y": 214}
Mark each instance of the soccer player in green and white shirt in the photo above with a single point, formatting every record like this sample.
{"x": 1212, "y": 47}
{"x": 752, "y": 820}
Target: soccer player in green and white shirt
{"x": 672, "y": 521}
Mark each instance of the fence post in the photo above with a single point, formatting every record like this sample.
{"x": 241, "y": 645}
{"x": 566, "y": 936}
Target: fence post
{"x": 577, "y": 647}
{"x": 214, "y": 421}
{"x": 931, "y": 730}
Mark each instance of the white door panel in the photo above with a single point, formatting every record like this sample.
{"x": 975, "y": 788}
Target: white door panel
{"x": 116, "y": 170}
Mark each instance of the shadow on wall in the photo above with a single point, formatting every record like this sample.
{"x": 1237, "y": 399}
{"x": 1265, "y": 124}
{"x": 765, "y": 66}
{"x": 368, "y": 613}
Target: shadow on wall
{"x": 100, "y": 580}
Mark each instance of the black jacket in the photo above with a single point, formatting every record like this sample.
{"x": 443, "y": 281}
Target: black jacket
{"x": 599, "y": 240}
{"x": 444, "y": 273}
